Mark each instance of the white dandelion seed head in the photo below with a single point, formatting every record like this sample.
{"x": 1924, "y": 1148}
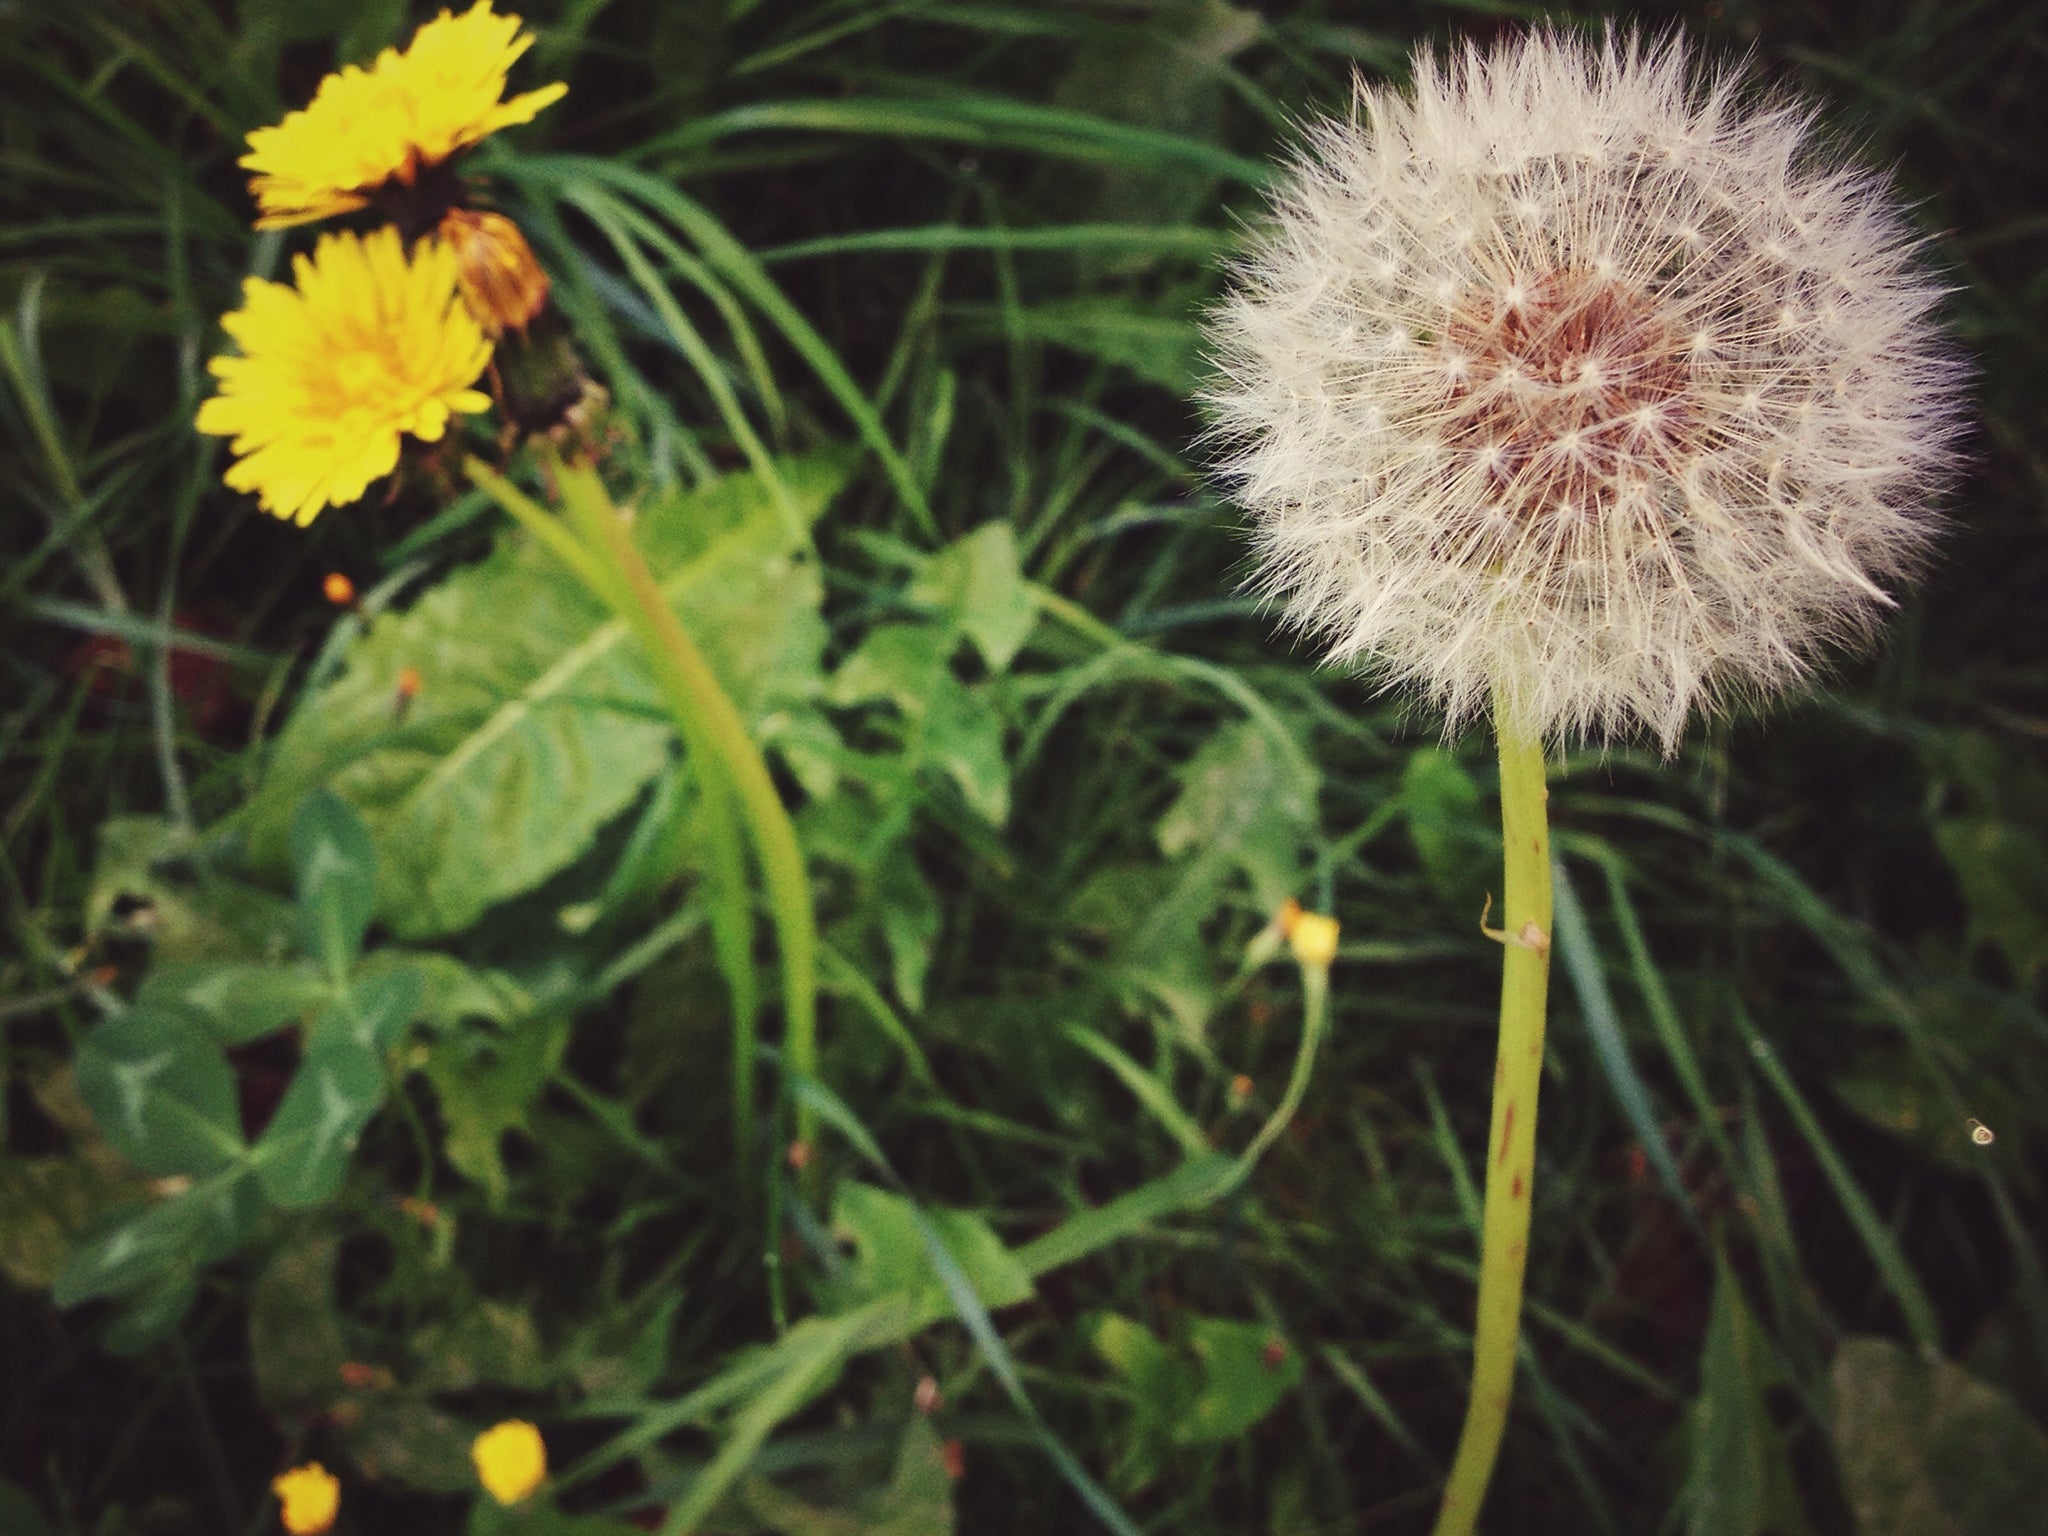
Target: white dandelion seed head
{"x": 1586, "y": 377}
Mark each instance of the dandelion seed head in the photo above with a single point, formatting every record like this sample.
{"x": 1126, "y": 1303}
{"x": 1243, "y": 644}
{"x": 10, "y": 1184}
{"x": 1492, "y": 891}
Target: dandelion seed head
{"x": 1587, "y": 377}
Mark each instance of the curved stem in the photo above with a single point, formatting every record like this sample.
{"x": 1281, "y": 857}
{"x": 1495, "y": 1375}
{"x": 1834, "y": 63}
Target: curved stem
{"x": 689, "y": 682}
{"x": 1511, "y": 1142}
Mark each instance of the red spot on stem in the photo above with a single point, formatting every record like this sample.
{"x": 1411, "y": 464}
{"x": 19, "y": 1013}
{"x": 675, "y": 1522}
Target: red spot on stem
{"x": 1516, "y": 1190}
{"x": 1507, "y": 1127}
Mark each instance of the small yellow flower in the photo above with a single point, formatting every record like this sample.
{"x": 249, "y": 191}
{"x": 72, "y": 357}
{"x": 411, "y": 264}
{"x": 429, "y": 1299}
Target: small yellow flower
{"x": 310, "y": 1497}
{"x": 367, "y": 347}
{"x": 1313, "y": 938}
{"x": 406, "y": 113}
{"x": 511, "y": 1460}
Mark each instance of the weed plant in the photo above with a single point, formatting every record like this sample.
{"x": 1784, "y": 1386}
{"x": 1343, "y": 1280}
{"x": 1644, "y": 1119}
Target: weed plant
{"x": 896, "y": 305}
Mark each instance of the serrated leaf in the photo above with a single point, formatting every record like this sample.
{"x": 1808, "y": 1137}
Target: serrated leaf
{"x": 1927, "y": 1449}
{"x": 536, "y": 721}
{"x": 161, "y": 1092}
{"x": 486, "y": 1082}
{"x": 335, "y": 864}
{"x": 978, "y": 583}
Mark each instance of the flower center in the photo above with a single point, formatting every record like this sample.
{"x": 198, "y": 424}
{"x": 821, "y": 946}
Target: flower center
{"x": 1565, "y": 392}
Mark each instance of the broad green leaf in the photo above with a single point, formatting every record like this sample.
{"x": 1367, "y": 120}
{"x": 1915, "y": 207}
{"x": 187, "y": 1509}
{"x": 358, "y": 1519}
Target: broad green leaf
{"x": 1927, "y": 1449}
{"x": 45, "y": 1200}
{"x": 161, "y": 1092}
{"x": 1741, "y": 1478}
{"x": 303, "y": 1153}
{"x": 890, "y": 1254}
{"x": 536, "y": 722}
{"x": 336, "y": 868}
{"x": 978, "y": 583}
{"x": 373, "y": 1012}
{"x": 144, "y": 1247}
{"x": 237, "y": 1001}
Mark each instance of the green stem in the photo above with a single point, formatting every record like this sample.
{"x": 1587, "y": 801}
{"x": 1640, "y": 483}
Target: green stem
{"x": 1511, "y": 1141}
{"x": 699, "y": 700}
{"x": 595, "y": 561}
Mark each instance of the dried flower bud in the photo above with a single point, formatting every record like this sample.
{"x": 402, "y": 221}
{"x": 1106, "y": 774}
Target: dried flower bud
{"x": 500, "y": 280}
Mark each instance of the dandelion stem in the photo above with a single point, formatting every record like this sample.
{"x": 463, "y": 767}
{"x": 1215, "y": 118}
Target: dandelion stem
{"x": 1511, "y": 1141}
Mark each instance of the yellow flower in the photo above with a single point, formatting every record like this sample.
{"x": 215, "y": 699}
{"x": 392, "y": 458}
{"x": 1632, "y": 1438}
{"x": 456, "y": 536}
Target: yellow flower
{"x": 310, "y": 1496}
{"x": 366, "y": 347}
{"x": 511, "y": 1460}
{"x": 1313, "y": 938}
{"x": 405, "y": 113}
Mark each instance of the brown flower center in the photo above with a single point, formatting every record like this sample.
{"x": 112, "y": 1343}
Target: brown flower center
{"x": 1564, "y": 390}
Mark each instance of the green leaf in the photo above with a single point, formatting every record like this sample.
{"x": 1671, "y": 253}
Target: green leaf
{"x": 1245, "y": 1369}
{"x": 336, "y": 866}
{"x": 145, "y": 1247}
{"x": 890, "y": 1253}
{"x": 1741, "y": 1478}
{"x": 304, "y": 1151}
{"x": 902, "y": 664}
{"x": 1224, "y": 1379}
{"x": 1248, "y": 801}
{"x": 373, "y": 1013}
{"x": 486, "y": 1083}
{"x": 909, "y": 914}
{"x": 963, "y": 738}
{"x": 1451, "y": 837}
{"x": 1927, "y": 1449}
{"x": 237, "y": 1001}
{"x": 148, "y": 883}
{"x": 486, "y": 1341}
{"x": 161, "y": 1092}
{"x": 536, "y": 721}
{"x": 978, "y": 583}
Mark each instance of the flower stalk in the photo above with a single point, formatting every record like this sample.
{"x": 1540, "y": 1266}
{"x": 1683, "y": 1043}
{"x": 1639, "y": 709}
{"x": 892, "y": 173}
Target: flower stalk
{"x": 1511, "y": 1139}
{"x": 597, "y": 546}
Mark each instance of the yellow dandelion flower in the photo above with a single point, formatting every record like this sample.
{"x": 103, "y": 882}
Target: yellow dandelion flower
{"x": 309, "y": 1498}
{"x": 407, "y": 112}
{"x": 366, "y": 347}
{"x": 511, "y": 1460}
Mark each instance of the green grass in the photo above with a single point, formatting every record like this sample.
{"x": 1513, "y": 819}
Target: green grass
{"x": 970, "y": 240}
